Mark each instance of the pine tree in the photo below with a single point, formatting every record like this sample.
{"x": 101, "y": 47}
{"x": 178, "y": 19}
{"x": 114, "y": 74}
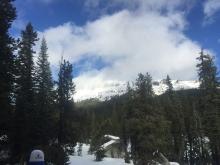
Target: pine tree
{"x": 209, "y": 82}
{"x": 44, "y": 98}
{"x": 207, "y": 72}
{"x": 98, "y": 139}
{"x": 65, "y": 92}
{"x": 169, "y": 84}
{"x": 25, "y": 104}
{"x": 174, "y": 113}
{"x": 8, "y": 14}
{"x": 144, "y": 86}
{"x": 147, "y": 123}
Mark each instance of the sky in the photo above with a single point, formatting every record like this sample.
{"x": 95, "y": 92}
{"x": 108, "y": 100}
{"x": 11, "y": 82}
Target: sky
{"x": 110, "y": 41}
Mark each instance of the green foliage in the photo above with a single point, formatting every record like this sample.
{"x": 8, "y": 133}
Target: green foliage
{"x": 98, "y": 136}
{"x": 8, "y": 15}
{"x": 207, "y": 72}
{"x": 38, "y": 120}
{"x": 67, "y": 126}
{"x": 24, "y": 123}
{"x": 45, "y": 96}
{"x": 146, "y": 123}
{"x": 55, "y": 154}
{"x": 144, "y": 86}
{"x": 169, "y": 84}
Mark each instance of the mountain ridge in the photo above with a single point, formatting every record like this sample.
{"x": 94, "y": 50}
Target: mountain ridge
{"x": 112, "y": 88}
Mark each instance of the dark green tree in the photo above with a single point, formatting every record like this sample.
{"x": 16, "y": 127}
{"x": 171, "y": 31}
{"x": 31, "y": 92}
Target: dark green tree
{"x": 207, "y": 72}
{"x": 98, "y": 139}
{"x": 193, "y": 133}
{"x": 8, "y": 14}
{"x": 147, "y": 123}
{"x": 25, "y": 102}
{"x": 169, "y": 84}
{"x": 67, "y": 127}
{"x": 45, "y": 96}
{"x": 144, "y": 86}
{"x": 67, "y": 132}
{"x": 174, "y": 113}
{"x": 209, "y": 83}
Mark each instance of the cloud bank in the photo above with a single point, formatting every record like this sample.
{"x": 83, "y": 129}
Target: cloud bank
{"x": 131, "y": 41}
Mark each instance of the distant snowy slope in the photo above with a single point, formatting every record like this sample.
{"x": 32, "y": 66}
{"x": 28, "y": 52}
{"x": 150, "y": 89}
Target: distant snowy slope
{"x": 112, "y": 88}
{"x": 160, "y": 87}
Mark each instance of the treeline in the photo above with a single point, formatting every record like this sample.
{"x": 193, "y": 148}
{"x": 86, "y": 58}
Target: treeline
{"x": 183, "y": 125}
{"x": 35, "y": 112}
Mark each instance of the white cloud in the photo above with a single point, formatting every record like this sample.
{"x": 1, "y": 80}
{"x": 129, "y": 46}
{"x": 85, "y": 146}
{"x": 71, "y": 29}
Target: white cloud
{"x": 211, "y": 7}
{"x": 131, "y": 42}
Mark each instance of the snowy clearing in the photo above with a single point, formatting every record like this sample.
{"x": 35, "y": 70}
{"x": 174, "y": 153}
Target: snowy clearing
{"x": 87, "y": 159}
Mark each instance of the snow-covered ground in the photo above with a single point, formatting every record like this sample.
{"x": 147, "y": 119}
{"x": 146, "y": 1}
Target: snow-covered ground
{"x": 87, "y": 159}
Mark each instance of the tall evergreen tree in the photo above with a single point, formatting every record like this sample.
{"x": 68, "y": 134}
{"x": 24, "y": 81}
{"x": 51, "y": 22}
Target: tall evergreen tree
{"x": 147, "y": 124}
{"x": 25, "y": 104}
{"x": 8, "y": 14}
{"x": 207, "y": 72}
{"x": 66, "y": 125}
{"x": 66, "y": 89}
{"x": 209, "y": 83}
{"x": 174, "y": 113}
{"x": 44, "y": 98}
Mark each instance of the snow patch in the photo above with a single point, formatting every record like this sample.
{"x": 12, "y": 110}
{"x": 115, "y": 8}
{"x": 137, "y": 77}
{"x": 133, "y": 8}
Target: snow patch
{"x": 112, "y": 137}
{"x": 108, "y": 144}
{"x": 174, "y": 163}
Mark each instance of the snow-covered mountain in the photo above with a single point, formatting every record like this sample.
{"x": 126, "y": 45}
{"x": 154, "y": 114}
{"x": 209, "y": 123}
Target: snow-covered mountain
{"x": 112, "y": 88}
{"x": 160, "y": 87}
